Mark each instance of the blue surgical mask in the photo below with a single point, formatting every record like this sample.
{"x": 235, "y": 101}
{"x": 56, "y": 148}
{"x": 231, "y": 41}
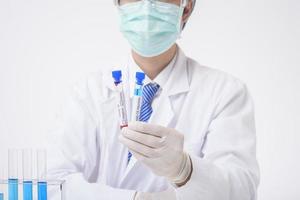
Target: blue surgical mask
{"x": 151, "y": 28}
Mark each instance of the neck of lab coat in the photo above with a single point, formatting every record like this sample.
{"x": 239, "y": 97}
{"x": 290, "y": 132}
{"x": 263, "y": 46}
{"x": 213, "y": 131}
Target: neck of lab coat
{"x": 152, "y": 66}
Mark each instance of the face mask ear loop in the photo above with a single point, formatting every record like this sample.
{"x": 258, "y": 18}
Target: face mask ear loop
{"x": 181, "y": 11}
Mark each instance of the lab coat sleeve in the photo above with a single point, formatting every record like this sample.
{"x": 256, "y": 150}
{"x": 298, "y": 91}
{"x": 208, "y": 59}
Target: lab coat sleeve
{"x": 228, "y": 169}
{"x": 74, "y": 151}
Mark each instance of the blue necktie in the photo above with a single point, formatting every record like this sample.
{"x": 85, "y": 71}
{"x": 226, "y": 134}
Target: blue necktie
{"x": 149, "y": 92}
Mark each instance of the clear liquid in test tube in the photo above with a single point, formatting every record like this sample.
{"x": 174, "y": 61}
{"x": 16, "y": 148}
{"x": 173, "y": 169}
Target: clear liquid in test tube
{"x": 13, "y": 181}
{"x": 27, "y": 174}
{"x": 42, "y": 174}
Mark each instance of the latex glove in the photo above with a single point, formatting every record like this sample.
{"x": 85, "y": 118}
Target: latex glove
{"x": 159, "y": 148}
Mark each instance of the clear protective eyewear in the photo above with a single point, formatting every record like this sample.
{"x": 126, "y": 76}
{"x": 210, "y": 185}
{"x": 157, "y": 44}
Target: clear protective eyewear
{"x": 181, "y": 3}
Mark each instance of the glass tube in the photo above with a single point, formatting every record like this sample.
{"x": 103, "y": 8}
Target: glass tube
{"x": 41, "y": 174}
{"x": 122, "y": 106}
{"x": 121, "y": 102}
{"x": 27, "y": 174}
{"x": 137, "y": 97}
{"x": 1, "y": 182}
{"x": 13, "y": 174}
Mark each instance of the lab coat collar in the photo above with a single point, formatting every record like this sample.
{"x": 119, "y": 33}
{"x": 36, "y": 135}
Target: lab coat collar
{"x": 161, "y": 79}
{"x": 176, "y": 83}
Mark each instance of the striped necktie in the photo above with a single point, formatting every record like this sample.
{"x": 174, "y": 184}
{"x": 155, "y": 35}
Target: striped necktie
{"x": 149, "y": 92}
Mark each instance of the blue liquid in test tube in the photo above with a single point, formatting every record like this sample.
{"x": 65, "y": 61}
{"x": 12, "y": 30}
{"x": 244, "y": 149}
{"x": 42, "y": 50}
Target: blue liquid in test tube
{"x": 13, "y": 189}
{"x": 42, "y": 178}
{"x": 42, "y": 190}
{"x": 27, "y": 174}
{"x": 13, "y": 174}
{"x": 27, "y": 190}
{"x": 1, "y": 182}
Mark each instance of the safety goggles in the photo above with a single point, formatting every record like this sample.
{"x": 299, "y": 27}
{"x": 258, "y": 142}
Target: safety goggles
{"x": 182, "y": 3}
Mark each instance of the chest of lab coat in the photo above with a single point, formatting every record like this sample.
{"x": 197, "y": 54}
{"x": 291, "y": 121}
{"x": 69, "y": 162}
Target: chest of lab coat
{"x": 194, "y": 101}
{"x": 186, "y": 108}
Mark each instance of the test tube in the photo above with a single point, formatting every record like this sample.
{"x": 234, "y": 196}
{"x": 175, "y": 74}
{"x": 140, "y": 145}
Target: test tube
{"x": 41, "y": 174}
{"x": 138, "y": 96}
{"x": 1, "y": 182}
{"x": 13, "y": 174}
{"x": 1, "y": 192}
{"x": 27, "y": 174}
{"x": 117, "y": 75}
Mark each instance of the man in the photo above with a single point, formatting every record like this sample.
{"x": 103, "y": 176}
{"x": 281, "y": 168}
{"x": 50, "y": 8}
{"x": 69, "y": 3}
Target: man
{"x": 196, "y": 135}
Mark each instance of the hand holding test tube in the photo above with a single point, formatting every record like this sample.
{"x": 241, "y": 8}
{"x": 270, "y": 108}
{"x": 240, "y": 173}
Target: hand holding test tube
{"x": 137, "y": 99}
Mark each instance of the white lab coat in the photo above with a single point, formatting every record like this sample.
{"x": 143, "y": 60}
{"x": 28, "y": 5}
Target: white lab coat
{"x": 211, "y": 108}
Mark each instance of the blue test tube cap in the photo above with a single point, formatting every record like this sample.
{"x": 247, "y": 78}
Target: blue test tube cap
{"x": 140, "y": 76}
{"x": 117, "y": 75}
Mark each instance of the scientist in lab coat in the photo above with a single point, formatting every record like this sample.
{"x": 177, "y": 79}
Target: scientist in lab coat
{"x": 195, "y": 141}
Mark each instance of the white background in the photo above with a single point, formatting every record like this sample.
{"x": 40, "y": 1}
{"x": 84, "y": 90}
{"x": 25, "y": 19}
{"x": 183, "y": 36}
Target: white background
{"x": 47, "y": 45}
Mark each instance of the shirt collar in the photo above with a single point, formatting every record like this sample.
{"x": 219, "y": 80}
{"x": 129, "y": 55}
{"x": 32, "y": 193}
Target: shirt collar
{"x": 177, "y": 82}
{"x": 161, "y": 79}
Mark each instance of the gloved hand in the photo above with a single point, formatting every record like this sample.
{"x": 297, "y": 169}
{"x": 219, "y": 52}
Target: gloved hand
{"x": 159, "y": 148}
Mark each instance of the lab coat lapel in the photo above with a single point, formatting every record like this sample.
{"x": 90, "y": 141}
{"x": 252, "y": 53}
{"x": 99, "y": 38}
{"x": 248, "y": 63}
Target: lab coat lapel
{"x": 164, "y": 113}
{"x": 176, "y": 85}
